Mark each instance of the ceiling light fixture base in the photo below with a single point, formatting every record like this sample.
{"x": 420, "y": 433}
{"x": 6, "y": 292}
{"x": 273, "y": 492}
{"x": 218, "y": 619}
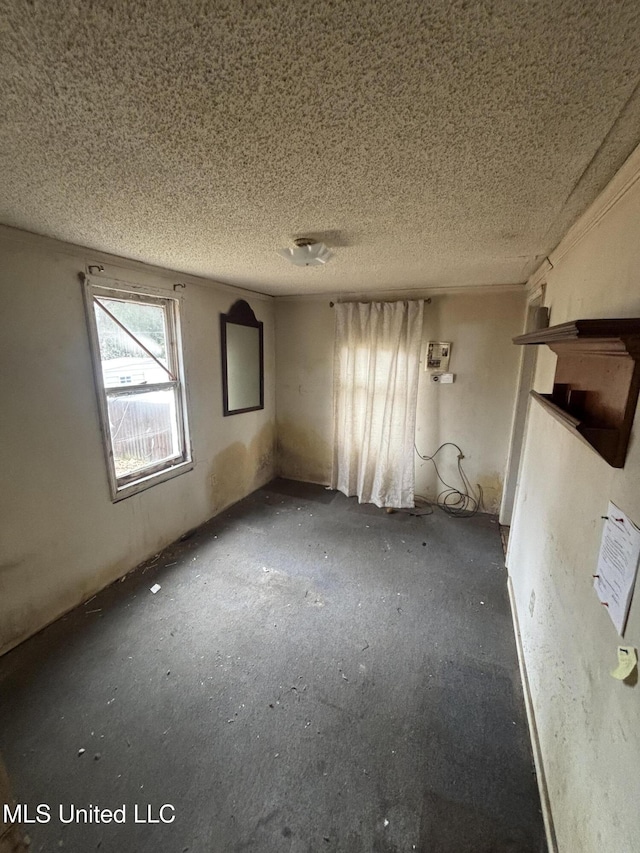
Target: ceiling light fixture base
{"x": 306, "y": 252}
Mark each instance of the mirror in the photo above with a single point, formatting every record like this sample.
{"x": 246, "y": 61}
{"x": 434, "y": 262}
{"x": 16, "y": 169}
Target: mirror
{"x": 242, "y": 360}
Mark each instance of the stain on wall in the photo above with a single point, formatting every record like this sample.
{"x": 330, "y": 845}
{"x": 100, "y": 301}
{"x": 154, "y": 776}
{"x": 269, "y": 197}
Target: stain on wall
{"x": 240, "y": 468}
{"x": 304, "y": 388}
{"x": 491, "y": 489}
{"x": 303, "y": 454}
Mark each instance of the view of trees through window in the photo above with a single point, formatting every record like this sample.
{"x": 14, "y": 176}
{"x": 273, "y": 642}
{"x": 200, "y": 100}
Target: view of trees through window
{"x": 145, "y": 322}
{"x": 142, "y": 393}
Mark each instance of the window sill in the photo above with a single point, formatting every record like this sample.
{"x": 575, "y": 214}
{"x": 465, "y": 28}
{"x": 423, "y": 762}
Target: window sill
{"x": 122, "y": 492}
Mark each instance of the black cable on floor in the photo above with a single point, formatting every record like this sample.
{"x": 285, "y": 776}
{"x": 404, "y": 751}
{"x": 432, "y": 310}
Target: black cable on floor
{"x": 460, "y": 503}
{"x": 422, "y": 507}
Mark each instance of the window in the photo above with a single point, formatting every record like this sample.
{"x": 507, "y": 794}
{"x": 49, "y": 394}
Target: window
{"x": 135, "y": 339}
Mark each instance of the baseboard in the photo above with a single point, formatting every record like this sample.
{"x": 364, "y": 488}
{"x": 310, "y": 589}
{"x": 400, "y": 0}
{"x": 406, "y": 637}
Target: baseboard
{"x": 533, "y": 730}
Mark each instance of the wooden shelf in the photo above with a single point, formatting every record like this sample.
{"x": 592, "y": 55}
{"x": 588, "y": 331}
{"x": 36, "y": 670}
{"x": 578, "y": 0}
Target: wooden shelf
{"x": 595, "y": 391}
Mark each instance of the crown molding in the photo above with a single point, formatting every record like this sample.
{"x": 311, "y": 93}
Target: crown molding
{"x": 622, "y": 182}
{"x": 538, "y": 280}
{"x": 116, "y": 266}
{"x": 396, "y": 295}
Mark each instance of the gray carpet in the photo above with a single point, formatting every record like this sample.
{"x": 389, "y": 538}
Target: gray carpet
{"x": 312, "y": 676}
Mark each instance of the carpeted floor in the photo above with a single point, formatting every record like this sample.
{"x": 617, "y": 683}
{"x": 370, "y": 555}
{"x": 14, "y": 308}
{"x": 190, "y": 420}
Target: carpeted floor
{"x": 313, "y": 675}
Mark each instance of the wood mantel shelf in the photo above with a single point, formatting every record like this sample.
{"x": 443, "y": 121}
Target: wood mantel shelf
{"x": 595, "y": 390}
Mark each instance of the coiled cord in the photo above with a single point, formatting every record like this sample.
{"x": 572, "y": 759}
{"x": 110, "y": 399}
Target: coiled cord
{"x": 459, "y": 503}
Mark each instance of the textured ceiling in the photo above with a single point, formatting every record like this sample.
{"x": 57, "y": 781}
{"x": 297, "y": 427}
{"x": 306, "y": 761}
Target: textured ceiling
{"x": 430, "y": 144}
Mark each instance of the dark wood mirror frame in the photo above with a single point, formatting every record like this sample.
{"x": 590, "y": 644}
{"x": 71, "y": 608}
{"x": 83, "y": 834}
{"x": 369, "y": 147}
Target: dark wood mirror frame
{"x": 240, "y": 314}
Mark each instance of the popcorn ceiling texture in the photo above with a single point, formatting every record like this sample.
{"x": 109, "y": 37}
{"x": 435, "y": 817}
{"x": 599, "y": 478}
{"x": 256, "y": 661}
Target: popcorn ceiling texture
{"x": 449, "y": 143}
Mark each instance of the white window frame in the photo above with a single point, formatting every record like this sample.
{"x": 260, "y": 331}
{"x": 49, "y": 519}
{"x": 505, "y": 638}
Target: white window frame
{"x": 130, "y": 484}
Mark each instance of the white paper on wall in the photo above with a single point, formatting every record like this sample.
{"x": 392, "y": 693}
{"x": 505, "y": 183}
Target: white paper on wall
{"x": 617, "y": 565}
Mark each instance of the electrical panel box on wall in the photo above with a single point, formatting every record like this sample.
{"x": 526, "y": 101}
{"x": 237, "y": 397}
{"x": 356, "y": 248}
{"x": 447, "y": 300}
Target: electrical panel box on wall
{"x": 438, "y": 354}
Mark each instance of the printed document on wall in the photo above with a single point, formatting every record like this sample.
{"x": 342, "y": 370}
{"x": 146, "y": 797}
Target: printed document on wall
{"x": 617, "y": 565}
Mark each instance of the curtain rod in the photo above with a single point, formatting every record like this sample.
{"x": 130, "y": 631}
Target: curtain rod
{"x": 428, "y": 301}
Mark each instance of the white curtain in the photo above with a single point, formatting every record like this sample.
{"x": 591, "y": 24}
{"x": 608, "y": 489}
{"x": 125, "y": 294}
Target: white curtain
{"x": 376, "y": 370}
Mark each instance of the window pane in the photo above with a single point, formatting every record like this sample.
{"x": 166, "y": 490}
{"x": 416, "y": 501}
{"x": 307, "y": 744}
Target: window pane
{"x": 124, "y": 360}
{"x": 144, "y": 430}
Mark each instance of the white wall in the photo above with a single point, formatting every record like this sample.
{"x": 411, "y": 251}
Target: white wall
{"x": 61, "y": 537}
{"x": 304, "y": 388}
{"x": 588, "y": 723}
{"x": 475, "y": 412}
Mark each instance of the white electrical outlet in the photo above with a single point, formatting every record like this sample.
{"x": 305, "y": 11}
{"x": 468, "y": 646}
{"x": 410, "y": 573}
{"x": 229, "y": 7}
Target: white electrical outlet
{"x": 442, "y": 378}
